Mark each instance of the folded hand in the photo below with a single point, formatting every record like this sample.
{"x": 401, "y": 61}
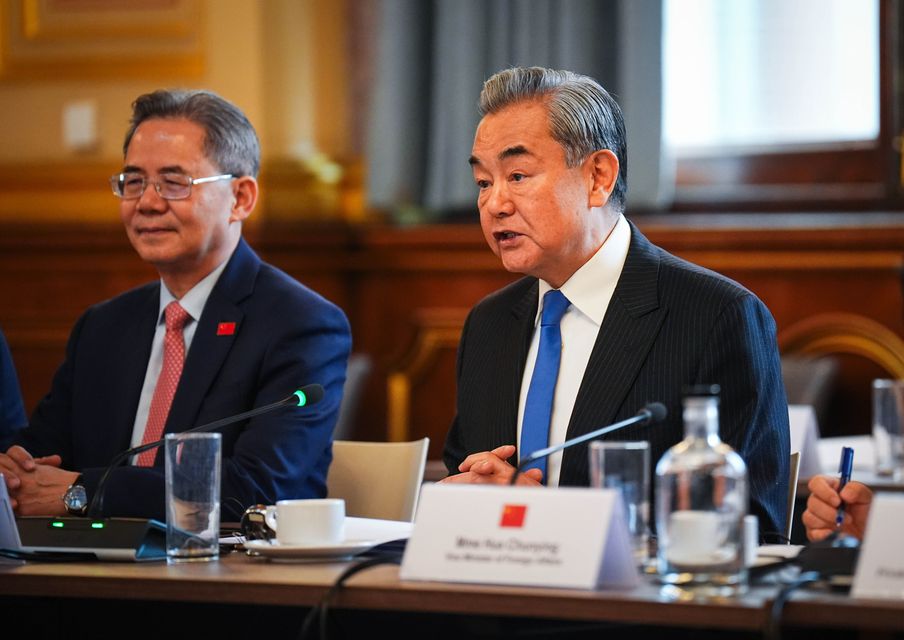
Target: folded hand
{"x": 490, "y": 467}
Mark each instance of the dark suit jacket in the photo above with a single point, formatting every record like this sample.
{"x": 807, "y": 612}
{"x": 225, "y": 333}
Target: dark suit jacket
{"x": 285, "y": 336}
{"x": 669, "y": 324}
{"x": 12, "y": 411}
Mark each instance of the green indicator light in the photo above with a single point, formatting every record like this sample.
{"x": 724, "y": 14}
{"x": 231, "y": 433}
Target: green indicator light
{"x": 57, "y": 524}
{"x": 97, "y": 525}
{"x": 302, "y": 398}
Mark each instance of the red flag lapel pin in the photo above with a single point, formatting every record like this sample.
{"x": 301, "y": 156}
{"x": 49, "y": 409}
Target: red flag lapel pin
{"x": 226, "y": 329}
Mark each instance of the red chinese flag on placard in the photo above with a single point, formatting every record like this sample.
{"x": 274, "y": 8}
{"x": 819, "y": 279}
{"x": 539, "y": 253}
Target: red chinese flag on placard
{"x": 513, "y": 515}
{"x": 225, "y": 328}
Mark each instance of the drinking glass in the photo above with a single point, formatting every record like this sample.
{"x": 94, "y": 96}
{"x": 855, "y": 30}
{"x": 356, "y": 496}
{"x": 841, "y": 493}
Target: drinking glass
{"x": 625, "y": 466}
{"x": 888, "y": 427}
{"x": 193, "y": 496}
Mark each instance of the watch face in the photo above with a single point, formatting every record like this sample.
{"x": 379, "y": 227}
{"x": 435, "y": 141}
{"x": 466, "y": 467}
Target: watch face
{"x": 76, "y": 499}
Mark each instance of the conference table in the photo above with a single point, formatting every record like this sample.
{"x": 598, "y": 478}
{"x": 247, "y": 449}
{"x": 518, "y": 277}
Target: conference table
{"x": 240, "y": 595}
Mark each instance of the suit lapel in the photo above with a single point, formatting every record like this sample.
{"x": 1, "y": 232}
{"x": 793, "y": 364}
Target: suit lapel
{"x": 628, "y": 331}
{"x": 524, "y": 312}
{"x": 208, "y": 350}
{"x": 131, "y": 355}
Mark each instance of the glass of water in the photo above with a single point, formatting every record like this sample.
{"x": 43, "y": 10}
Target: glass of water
{"x": 888, "y": 427}
{"x": 625, "y": 466}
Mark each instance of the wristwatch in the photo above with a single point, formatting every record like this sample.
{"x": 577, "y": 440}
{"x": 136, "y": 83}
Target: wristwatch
{"x": 76, "y": 499}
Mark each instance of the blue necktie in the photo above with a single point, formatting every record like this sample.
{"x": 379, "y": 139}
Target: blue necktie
{"x": 538, "y": 407}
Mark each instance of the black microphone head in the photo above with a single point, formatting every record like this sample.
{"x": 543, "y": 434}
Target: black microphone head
{"x": 309, "y": 394}
{"x": 656, "y": 411}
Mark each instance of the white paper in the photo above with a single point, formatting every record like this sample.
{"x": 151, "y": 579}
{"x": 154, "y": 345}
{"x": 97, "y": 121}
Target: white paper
{"x": 359, "y": 529}
{"x": 880, "y": 567}
{"x": 784, "y": 551}
{"x": 379, "y": 530}
{"x": 864, "y": 453}
{"x": 805, "y": 439}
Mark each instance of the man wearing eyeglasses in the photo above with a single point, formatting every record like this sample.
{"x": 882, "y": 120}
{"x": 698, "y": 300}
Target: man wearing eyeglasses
{"x": 219, "y": 334}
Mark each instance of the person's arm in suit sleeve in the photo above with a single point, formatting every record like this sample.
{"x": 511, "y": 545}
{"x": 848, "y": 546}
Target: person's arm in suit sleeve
{"x": 742, "y": 357}
{"x": 454, "y": 450}
{"x": 50, "y": 429}
{"x": 12, "y": 409}
{"x": 46, "y": 442}
{"x": 476, "y": 449}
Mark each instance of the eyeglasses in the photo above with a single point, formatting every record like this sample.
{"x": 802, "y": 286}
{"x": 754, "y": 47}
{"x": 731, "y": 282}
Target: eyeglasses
{"x": 170, "y": 186}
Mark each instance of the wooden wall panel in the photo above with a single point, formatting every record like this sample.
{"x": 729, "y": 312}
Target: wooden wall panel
{"x": 407, "y": 291}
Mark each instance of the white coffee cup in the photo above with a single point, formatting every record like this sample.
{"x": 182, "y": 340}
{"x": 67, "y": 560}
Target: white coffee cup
{"x": 308, "y": 522}
{"x": 694, "y": 538}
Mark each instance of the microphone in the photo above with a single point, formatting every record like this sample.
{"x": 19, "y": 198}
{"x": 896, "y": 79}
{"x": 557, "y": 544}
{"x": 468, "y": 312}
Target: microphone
{"x": 135, "y": 539}
{"x": 652, "y": 412}
{"x": 307, "y": 395}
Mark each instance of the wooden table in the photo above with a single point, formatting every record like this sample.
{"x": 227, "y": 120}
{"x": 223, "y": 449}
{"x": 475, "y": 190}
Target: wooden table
{"x": 256, "y": 590}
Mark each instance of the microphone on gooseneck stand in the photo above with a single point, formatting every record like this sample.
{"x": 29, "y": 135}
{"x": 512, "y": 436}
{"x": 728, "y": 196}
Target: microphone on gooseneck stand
{"x": 307, "y": 395}
{"x": 128, "y": 538}
{"x": 651, "y": 413}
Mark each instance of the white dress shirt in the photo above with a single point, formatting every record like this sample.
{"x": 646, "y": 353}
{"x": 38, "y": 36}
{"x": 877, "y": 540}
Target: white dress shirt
{"x": 193, "y": 302}
{"x": 589, "y": 290}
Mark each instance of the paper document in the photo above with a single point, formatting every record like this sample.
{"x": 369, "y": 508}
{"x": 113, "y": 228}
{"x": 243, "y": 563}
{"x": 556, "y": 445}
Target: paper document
{"x": 805, "y": 439}
{"x": 785, "y": 551}
{"x": 379, "y": 530}
{"x": 830, "y": 451}
{"x": 359, "y": 529}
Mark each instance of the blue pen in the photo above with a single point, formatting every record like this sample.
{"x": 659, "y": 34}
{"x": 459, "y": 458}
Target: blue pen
{"x": 844, "y": 470}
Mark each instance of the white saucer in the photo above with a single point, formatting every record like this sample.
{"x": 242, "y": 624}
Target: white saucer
{"x": 276, "y": 551}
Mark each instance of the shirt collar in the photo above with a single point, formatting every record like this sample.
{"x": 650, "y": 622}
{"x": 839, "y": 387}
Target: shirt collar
{"x": 590, "y": 288}
{"x": 195, "y": 299}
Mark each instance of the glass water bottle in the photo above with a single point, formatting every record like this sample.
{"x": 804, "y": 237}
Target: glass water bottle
{"x": 701, "y": 501}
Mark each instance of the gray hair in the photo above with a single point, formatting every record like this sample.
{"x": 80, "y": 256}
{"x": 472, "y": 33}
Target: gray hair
{"x": 230, "y": 141}
{"x": 583, "y": 117}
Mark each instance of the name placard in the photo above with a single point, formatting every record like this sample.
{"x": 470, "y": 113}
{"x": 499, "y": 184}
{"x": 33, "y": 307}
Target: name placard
{"x": 531, "y": 536}
{"x": 805, "y": 439}
{"x": 880, "y": 568}
{"x": 9, "y": 531}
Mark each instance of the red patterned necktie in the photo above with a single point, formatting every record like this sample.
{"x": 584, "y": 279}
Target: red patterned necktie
{"x": 173, "y": 357}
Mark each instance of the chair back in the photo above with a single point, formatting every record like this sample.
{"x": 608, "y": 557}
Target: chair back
{"x": 357, "y": 374}
{"x": 792, "y": 493}
{"x": 378, "y": 479}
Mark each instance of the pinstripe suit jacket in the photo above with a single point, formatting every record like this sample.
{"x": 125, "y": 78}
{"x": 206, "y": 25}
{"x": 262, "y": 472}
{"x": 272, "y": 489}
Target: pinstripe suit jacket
{"x": 670, "y": 323}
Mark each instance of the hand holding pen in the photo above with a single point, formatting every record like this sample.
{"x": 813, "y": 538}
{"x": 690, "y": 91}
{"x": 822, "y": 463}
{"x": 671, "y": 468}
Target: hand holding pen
{"x": 825, "y": 499}
{"x": 845, "y": 466}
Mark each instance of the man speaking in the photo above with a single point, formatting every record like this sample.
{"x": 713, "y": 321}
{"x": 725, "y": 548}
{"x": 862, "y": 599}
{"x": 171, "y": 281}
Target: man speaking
{"x": 604, "y": 321}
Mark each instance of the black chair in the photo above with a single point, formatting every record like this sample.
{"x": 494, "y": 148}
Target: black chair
{"x": 359, "y": 368}
{"x": 810, "y": 380}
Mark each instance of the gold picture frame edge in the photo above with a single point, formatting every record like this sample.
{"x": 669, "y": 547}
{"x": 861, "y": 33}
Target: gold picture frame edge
{"x": 99, "y": 68}
{"x": 36, "y": 29}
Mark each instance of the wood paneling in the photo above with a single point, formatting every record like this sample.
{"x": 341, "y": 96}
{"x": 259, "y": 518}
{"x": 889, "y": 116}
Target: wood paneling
{"x": 407, "y": 290}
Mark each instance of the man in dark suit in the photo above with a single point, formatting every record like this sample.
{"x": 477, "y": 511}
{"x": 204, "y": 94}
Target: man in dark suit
{"x": 252, "y": 335}
{"x": 549, "y": 160}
